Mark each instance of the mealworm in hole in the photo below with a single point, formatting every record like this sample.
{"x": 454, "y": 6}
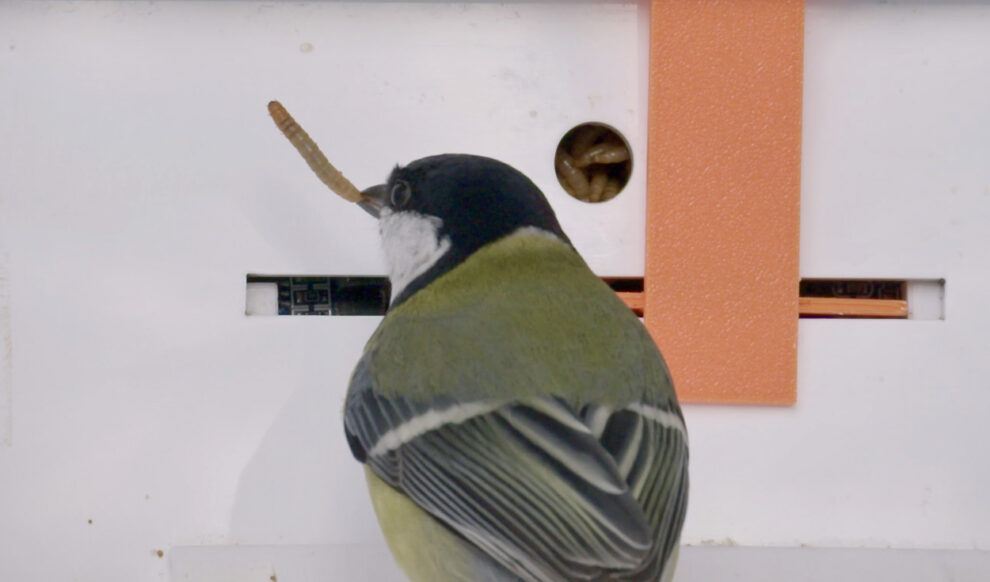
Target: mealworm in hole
{"x": 596, "y": 186}
{"x": 603, "y": 153}
{"x": 574, "y": 180}
{"x": 584, "y": 136}
{"x": 593, "y": 162}
{"x": 310, "y": 152}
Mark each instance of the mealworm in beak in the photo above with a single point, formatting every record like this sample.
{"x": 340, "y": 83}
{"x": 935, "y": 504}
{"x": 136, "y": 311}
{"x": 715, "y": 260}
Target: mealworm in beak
{"x": 310, "y": 152}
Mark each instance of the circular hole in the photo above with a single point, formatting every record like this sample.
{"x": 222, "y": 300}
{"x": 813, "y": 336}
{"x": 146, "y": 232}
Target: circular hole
{"x": 593, "y": 162}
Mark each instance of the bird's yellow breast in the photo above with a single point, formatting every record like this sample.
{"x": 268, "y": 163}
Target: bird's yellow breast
{"x": 426, "y": 550}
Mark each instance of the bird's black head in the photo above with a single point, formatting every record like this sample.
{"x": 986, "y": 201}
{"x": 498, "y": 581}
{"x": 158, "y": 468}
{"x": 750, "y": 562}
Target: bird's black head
{"x": 437, "y": 211}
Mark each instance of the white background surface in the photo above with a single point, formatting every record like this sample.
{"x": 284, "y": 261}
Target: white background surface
{"x": 140, "y": 180}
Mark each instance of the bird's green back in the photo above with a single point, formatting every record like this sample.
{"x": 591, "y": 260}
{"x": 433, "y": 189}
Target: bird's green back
{"x": 522, "y": 314}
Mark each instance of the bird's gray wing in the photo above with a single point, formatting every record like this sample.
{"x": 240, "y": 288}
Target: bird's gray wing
{"x": 648, "y": 441}
{"x": 525, "y": 481}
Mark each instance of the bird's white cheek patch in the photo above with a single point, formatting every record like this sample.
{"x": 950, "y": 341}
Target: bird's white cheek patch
{"x": 412, "y": 245}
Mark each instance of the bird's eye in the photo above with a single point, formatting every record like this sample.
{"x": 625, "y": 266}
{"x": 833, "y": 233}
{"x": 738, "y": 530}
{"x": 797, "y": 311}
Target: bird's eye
{"x": 400, "y": 194}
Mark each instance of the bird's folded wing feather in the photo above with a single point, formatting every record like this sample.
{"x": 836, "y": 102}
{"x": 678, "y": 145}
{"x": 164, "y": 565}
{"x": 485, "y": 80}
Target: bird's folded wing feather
{"x": 526, "y": 481}
{"x": 649, "y": 444}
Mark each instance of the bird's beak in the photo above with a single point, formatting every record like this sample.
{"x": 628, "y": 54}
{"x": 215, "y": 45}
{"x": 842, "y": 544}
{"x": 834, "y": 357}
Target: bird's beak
{"x": 373, "y": 199}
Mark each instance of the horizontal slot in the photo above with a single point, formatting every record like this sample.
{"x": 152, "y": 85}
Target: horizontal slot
{"x": 316, "y": 295}
{"x": 347, "y": 295}
{"x": 819, "y": 298}
{"x": 854, "y": 288}
{"x": 872, "y": 298}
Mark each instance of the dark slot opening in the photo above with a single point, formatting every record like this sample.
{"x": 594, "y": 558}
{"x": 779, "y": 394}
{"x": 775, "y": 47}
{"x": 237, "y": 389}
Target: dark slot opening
{"x": 625, "y": 284}
{"x": 337, "y": 295}
{"x": 854, "y": 288}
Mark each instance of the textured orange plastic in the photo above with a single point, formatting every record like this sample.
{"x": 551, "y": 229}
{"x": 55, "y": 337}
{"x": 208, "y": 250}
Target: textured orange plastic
{"x": 723, "y": 185}
{"x": 853, "y": 307}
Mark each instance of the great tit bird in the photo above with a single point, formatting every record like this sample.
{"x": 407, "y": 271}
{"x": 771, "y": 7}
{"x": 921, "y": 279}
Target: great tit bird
{"x": 515, "y": 419}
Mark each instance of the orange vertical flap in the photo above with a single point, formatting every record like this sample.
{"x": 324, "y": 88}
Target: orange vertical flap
{"x": 723, "y": 186}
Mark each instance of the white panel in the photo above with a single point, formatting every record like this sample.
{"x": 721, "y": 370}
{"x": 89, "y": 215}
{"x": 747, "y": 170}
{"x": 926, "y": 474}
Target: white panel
{"x": 895, "y": 175}
{"x": 926, "y": 299}
{"x": 299, "y": 563}
{"x": 734, "y": 564}
{"x": 6, "y": 356}
{"x": 262, "y": 299}
{"x": 361, "y": 562}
